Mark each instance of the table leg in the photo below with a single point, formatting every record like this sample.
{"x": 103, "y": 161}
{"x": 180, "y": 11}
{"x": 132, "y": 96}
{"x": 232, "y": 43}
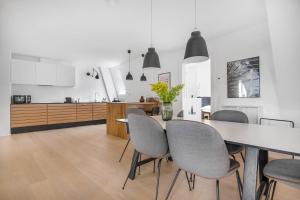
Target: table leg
{"x": 134, "y": 164}
{"x": 250, "y": 173}
{"x": 263, "y": 159}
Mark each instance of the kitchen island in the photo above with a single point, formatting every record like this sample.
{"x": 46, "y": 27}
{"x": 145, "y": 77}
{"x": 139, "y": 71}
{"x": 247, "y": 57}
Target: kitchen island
{"x": 116, "y": 110}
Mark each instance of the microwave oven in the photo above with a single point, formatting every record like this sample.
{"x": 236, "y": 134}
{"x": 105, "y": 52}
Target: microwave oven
{"x": 20, "y": 99}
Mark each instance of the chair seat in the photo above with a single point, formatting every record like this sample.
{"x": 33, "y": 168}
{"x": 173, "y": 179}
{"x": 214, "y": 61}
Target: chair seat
{"x": 234, "y": 148}
{"x": 234, "y": 165}
{"x": 283, "y": 170}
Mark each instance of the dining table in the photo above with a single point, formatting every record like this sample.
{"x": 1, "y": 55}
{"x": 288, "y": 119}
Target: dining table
{"x": 257, "y": 140}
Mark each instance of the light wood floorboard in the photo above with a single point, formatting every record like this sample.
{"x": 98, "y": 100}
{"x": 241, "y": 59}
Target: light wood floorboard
{"x": 82, "y": 164}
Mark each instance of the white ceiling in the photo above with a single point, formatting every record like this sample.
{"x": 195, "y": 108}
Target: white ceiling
{"x": 100, "y": 31}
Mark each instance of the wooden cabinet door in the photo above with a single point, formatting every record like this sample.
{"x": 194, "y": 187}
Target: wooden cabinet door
{"x": 28, "y": 115}
{"x": 84, "y": 112}
{"x": 99, "y": 111}
{"x": 61, "y": 113}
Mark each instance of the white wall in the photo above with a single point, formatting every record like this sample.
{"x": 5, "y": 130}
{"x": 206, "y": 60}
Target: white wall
{"x": 284, "y": 27}
{"x": 250, "y": 42}
{"x": 169, "y": 61}
{"x": 84, "y": 89}
{"x": 5, "y": 92}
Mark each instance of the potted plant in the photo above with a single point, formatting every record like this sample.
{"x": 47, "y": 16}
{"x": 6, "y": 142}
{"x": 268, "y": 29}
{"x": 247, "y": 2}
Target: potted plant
{"x": 167, "y": 97}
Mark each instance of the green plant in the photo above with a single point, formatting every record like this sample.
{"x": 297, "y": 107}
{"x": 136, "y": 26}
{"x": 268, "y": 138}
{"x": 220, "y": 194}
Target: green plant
{"x": 166, "y": 95}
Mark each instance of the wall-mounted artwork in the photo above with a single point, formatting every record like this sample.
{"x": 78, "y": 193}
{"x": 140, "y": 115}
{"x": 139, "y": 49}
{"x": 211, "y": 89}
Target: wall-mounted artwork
{"x": 243, "y": 78}
{"x": 165, "y": 78}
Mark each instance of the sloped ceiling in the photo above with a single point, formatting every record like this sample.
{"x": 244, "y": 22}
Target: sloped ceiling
{"x": 100, "y": 31}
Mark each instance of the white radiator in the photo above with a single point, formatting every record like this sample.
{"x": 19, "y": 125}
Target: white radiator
{"x": 253, "y": 112}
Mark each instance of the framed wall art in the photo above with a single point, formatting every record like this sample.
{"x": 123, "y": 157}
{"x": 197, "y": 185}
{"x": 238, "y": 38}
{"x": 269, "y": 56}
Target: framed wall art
{"x": 243, "y": 78}
{"x": 165, "y": 78}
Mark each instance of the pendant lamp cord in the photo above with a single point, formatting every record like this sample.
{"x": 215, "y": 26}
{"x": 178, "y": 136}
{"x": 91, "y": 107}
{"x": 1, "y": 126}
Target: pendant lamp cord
{"x": 129, "y": 61}
{"x": 151, "y": 24}
{"x": 196, "y": 15}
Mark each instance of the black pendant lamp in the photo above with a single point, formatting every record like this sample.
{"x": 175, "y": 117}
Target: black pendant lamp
{"x": 196, "y": 49}
{"x": 129, "y": 77}
{"x": 143, "y": 77}
{"x": 151, "y": 59}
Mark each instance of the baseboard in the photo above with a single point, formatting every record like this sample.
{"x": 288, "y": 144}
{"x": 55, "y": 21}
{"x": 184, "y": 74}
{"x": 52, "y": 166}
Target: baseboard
{"x": 55, "y": 126}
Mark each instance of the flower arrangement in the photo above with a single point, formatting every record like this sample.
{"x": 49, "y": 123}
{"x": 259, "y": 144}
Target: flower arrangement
{"x": 166, "y": 95}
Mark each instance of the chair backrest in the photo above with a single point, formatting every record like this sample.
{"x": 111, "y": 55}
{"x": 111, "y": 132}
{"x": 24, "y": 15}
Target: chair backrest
{"x": 198, "y": 148}
{"x": 230, "y": 116}
{"x": 180, "y": 114}
{"x": 147, "y": 135}
{"x": 135, "y": 111}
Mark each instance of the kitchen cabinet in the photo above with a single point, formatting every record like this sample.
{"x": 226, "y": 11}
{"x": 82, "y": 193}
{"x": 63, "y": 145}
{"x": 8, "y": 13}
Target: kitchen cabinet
{"x": 61, "y": 113}
{"x": 65, "y": 76}
{"x": 99, "y": 111}
{"x": 36, "y": 117}
{"x": 45, "y": 73}
{"x": 84, "y": 112}
{"x": 28, "y": 115}
{"x": 23, "y": 72}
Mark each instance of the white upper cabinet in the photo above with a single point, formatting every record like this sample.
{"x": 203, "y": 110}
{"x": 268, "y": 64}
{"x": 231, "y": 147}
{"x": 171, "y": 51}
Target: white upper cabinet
{"x": 28, "y": 72}
{"x": 45, "y": 74}
{"x": 65, "y": 75}
{"x": 23, "y": 72}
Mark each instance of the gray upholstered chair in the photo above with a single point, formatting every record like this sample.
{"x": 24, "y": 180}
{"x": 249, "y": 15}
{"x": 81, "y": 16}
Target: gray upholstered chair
{"x": 231, "y": 116}
{"x": 199, "y": 149}
{"x": 128, "y": 111}
{"x": 283, "y": 170}
{"x": 148, "y": 138}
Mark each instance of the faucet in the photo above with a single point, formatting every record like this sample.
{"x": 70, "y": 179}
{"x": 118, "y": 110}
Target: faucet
{"x": 96, "y": 93}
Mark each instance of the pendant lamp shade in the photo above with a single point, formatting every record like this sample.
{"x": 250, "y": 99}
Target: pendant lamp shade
{"x": 196, "y": 49}
{"x": 129, "y": 76}
{"x": 151, "y": 59}
{"x": 143, "y": 77}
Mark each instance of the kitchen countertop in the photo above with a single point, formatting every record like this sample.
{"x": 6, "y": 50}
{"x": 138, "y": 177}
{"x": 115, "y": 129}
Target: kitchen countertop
{"x": 57, "y": 103}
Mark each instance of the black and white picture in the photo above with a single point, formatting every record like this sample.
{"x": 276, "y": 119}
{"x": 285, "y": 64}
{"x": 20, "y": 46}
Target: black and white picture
{"x": 243, "y": 78}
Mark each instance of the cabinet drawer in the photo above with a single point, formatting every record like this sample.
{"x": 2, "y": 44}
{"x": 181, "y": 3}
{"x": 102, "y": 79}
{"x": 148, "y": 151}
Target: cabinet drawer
{"x": 28, "y": 115}
{"x": 61, "y": 113}
{"x": 100, "y": 111}
{"x": 84, "y": 112}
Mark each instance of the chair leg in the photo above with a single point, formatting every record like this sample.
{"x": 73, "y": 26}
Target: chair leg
{"x": 243, "y": 157}
{"x": 194, "y": 179}
{"x": 140, "y": 159}
{"x": 124, "y": 150}
{"x": 274, "y": 188}
{"x": 188, "y": 181}
{"x": 158, "y": 177}
{"x": 173, "y": 183}
{"x": 125, "y": 182}
{"x": 233, "y": 157}
{"x": 239, "y": 182}
{"x": 153, "y": 166}
{"x": 218, "y": 189}
{"x": 269, "y": 189}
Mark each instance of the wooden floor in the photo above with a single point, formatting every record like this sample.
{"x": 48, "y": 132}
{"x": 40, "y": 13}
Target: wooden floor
{"x": 82, "y": 164}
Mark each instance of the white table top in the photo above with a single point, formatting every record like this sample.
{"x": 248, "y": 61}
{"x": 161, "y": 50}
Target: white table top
{"x": 282, "y": 139}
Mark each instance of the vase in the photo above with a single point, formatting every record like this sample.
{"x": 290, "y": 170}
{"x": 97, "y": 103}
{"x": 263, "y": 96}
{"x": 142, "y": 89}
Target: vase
{"x": 167, "y": 111}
